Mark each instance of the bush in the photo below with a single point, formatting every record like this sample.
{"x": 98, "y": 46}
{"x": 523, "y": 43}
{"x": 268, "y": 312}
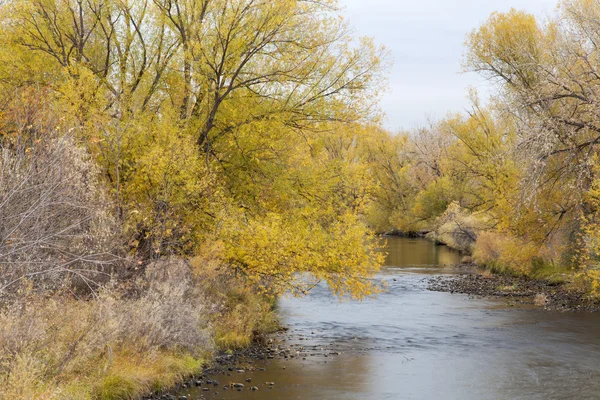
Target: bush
{"x": 504, "y": 253}
{"x": 56, "y": 227}
{"x": 239, "y": 314}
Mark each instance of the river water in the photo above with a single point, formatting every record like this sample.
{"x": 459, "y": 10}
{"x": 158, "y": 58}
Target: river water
{"x": 410, "y": 343}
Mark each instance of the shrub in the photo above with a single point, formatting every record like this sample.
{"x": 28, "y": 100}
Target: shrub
{"x": 457, "y": 228}
{"x": 56, "y": 227}
{"x": 504, "y": 253}
{"x": 239, "y": 313}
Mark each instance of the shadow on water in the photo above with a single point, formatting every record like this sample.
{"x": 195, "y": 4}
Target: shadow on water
{"x": 410, "y": 343}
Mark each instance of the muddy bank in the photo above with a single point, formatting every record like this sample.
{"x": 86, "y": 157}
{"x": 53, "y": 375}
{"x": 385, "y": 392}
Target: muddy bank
{"x": 543, "y": 293}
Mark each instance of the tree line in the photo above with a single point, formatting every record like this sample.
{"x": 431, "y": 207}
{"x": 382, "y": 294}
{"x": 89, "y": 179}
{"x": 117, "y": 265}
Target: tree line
{"x": 251, "y": 129}
{"x": 514, "y": 181}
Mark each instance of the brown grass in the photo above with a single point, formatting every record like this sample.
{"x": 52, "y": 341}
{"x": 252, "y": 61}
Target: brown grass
{"x": 119, "y": 346}
{"x": 75, "y": 323}
{"x": 111, "y": 347}
{"x": 239, "y": 313}
{"x": 504, "y": 254}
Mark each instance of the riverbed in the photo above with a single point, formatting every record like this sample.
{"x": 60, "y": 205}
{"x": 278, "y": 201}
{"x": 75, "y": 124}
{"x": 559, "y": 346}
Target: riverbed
{"x": 412, "y": 343}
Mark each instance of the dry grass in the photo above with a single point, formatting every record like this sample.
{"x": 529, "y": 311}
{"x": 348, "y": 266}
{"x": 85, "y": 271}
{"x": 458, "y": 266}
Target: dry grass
{"x": 120, "y": 347}
{"x": 501, "y": 253}
{"x": 69, "y": 331}
{"x": 540, "y": 299}
{"x": 487, "y": 273}
{"x": 504, "y": 254}
{"x": 239, "y": 313}
{"x": 111, "y": 347}
{"x": 66, "y": 330}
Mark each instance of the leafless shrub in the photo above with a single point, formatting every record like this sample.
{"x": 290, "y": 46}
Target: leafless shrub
{"x": 55, "y": 220}
{"x": 170, "y": 311}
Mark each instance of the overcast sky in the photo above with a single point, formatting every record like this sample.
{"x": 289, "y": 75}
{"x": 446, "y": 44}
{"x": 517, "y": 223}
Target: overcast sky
{"x": 426, "y": 39}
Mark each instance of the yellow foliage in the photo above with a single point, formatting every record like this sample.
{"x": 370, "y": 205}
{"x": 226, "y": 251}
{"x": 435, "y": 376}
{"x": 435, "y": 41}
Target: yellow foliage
{"x": 169, "y": 195}
{"x": 508, "y": 44}
{"x": 588, "y": 254}
{"x": 244, "y": 313}
{"x": 207, "y": 131}
{"x": 503, "y": 253}
{"x": 432, "y": 201}
{"x": 291, "y": 253}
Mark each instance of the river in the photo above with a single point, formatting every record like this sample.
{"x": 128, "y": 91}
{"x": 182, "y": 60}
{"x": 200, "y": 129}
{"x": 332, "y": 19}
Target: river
{"x": 411, "y": 343}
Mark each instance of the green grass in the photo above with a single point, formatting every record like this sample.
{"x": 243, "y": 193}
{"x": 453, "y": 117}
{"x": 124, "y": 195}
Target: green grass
{"x": 117, "y": 387}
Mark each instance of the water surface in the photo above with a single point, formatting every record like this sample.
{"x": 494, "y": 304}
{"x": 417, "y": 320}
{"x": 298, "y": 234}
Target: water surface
{"x": 410, "y": 343}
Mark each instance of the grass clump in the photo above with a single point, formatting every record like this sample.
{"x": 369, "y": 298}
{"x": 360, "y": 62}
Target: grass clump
{"x": 117, "y": 387}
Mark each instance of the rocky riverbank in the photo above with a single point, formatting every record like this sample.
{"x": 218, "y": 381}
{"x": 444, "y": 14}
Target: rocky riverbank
{"x": 550, "y": 295}
{"x": 238, "y": 370}
{"x": 233, "y": 364}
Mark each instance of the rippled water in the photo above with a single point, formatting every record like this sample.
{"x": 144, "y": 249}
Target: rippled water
{"x": 410, "y": 343}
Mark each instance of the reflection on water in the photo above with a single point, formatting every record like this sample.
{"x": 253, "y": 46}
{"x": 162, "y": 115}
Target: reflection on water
{"x": 419, "y": 253}
{"x": 410, "y": 343}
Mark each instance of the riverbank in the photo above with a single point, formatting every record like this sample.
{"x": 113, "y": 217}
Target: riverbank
{"x": 132, "y": 338}
{"x": 252, "y": 369}
{"x": 430, "y": 236}
{"x": 407, "y": 235}
{"x": 555, "y": 291}
{"x": 235, "y": 364}
{"x": 549, "y": 294}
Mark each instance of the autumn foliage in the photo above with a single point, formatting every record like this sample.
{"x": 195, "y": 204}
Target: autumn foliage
{"x": 514, "y": 181}
{"x": 210, "y": 121}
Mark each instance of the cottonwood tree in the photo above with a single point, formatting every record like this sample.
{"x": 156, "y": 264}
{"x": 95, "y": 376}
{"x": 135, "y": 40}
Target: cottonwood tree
{"x": 548, "y": 79}
{"x": 212, "y": 119}
{"x": 550, "y": 76}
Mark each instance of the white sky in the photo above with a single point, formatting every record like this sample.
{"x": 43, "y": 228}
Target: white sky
{"x": 426, "y": 39}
